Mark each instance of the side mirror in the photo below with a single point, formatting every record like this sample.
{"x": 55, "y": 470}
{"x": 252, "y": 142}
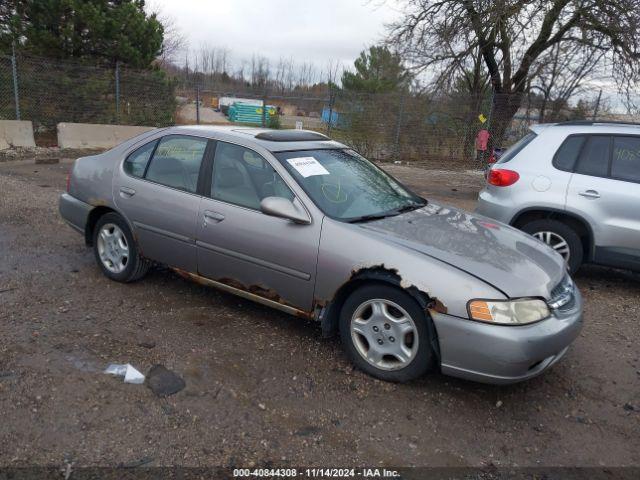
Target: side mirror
{"x": 283, "y": 208}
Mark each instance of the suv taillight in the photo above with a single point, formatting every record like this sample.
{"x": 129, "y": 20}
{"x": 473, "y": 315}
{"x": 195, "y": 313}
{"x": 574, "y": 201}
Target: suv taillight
{"x": 69, "y": 176}
{"x": 502, "y": 178}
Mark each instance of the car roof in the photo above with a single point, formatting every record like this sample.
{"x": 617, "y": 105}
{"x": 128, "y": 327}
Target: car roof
{"x": 272, "y": 140}
{"x": 587, "y": 126}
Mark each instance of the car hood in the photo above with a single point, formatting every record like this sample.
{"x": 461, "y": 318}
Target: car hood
{"x": 511, "y": 261}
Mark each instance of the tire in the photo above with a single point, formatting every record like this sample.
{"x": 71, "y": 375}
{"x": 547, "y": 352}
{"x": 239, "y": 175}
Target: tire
{"x": 135, "y": 267}
{"x": 358, "y": 314}
{"x": 538, "y": 229}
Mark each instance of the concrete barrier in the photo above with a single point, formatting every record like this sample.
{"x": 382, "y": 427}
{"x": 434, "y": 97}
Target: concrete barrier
{"x": 16, "y": 133}
{"x": 91, "y": 135}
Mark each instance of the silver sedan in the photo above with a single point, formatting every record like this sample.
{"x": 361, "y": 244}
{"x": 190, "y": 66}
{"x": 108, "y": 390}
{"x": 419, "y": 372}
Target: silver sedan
{"x": 296, "y": 221}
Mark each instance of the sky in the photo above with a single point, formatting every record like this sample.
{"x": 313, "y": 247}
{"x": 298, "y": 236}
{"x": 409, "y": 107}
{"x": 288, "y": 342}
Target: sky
{"x": 305, "y": 30}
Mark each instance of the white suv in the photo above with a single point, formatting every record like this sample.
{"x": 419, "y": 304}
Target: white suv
{"x": 574, "y": 186}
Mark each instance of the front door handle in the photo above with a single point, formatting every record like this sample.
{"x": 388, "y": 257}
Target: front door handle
{"x": 213, "y": 216}
{"x": 590, "y": 194}
{"x": 126, "y": 192}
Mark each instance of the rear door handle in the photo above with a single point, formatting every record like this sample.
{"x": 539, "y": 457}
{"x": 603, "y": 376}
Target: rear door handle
{"x": 590, "y": 194}
{"x": 213, "y": 216}
{"x": 126, "y": 192}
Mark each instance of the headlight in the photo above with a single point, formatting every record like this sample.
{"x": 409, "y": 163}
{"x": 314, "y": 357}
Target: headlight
{"x": 508, "y": 312}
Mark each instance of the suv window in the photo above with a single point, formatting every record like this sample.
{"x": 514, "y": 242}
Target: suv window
{"x": 516, "y": 148}
{"x": 625, "y": 164}
{"x": 136, "y": 163}
{"x": 565, "y": 157}
{"x": 594, "y": 158}
{"x": 176, "y": 162}
{"x": 242, "y": 177}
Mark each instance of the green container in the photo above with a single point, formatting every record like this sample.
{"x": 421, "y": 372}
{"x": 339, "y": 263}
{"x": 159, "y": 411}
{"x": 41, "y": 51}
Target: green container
{"x": 244, "y": 113}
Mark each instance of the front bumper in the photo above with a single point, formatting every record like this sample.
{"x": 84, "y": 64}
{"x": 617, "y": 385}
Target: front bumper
{"x": 75, "y": 212}
{"x": 505, "y": 354}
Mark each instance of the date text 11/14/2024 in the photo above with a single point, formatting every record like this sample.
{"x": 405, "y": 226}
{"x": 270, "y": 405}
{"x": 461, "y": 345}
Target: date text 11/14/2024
{"x": 315, "y": 473}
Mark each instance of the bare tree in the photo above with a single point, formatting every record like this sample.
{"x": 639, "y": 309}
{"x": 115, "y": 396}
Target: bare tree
{"x": 513, "y": 36}
{"x": 260, "y": 71}
{"x": 563, "y": 74}
{"x": 174, "y": 42}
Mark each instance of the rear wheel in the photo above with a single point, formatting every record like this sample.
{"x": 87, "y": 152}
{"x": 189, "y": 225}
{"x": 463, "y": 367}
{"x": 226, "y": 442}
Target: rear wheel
{"x": 384, "y": 332}
{"x": 559, "y": 236}
{"x": 116, "y": 251}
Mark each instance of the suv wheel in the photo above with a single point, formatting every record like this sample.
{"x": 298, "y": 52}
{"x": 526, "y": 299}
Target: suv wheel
{"x": 559, "y": 236}
{"x": 384, "y": 332}
{"x": 116, "y": 251}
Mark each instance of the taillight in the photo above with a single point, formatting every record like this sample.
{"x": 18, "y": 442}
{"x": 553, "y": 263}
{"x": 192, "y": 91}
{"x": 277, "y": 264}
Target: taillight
{"x": 69, "y": 176}
{"x": 502, "y": 178}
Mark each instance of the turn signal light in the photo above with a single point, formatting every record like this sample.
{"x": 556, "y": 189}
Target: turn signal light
{"x": 479, "y": 310}
{"x": 502, "y": 178}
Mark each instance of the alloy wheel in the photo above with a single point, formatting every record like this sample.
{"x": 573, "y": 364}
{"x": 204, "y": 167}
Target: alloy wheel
{"x": 556, "y": 242}
{"x": 113, "y": 248}
{"x": 384, "y": 334}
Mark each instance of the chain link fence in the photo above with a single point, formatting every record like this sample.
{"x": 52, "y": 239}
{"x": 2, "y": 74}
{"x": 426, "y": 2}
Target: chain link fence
{"x": 435, "y": 130}
{"x": 401, "y": 126}
{"x": 48, "y": 91}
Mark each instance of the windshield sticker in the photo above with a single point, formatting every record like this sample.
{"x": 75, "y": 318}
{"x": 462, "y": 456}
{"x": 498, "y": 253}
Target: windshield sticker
{"x": 307, "y": 166}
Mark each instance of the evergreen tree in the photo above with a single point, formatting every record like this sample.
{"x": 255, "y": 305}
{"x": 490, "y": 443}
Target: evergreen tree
{"x": 103, "y": 31}
{"x": 378, "y": 70}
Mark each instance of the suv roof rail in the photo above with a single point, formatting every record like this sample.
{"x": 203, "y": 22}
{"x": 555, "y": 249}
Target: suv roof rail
{"x": 598, "y": 122}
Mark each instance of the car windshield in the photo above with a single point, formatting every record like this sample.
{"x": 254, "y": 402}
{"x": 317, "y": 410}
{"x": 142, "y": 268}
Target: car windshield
{"x": 346, "y": 186}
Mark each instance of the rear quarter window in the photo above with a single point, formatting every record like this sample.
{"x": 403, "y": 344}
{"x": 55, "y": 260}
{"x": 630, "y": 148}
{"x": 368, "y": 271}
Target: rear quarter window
{"x": 136, "y": 163}
{"x": 516, "y": 148}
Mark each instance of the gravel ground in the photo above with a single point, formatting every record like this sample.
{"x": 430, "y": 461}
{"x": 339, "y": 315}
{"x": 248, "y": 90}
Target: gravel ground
{"x": 262, "y": 388}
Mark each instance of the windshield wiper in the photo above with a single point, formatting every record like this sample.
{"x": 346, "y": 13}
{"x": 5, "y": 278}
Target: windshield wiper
{"x": 390, "y": 213}
{"x": 411, "y": 206}
{"x": 372, "y": 216}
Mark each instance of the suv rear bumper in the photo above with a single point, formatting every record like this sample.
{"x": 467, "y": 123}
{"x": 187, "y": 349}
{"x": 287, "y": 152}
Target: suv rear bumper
{"x": 494, "y": 207}
{"x": 505, "y": 354}
{"x": 75, "y": 212}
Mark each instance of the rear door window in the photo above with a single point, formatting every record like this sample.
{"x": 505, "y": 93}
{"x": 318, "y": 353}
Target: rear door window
{"x": 565, "y": 157}
{"x": 625, "y": 163}
{"x": 176, "y": 162}
{"x": 594, "y": 158}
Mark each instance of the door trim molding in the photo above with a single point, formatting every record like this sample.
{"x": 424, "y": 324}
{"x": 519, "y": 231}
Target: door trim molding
{"x": 256, "y": 261}
{"x": 164, "y": 233}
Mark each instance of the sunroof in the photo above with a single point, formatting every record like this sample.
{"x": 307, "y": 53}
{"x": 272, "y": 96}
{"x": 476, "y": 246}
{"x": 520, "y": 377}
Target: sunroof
{"x": 291, "y": 136}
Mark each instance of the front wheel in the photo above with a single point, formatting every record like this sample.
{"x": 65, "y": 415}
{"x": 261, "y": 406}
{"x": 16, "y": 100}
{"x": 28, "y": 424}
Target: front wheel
{"x": 559, "y": 236}
{"x": 116, "y": 251}
{"x": 384, "y": 332}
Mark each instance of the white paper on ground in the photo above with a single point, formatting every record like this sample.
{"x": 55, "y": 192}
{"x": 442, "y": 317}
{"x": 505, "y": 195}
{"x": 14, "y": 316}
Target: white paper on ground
{"x": 130, "y": 374}
{"x": 133, "y": 376}
{"x": 116, "y": 369}
{"x": 307, "y": 166}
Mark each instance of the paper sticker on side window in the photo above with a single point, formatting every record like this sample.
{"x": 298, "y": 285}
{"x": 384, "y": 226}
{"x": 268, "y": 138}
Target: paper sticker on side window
{"x": 307, "y": 166}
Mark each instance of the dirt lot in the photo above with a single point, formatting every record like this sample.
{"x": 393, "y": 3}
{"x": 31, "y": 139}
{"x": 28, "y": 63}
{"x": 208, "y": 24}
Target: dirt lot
{"x": 262, "y": 388}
